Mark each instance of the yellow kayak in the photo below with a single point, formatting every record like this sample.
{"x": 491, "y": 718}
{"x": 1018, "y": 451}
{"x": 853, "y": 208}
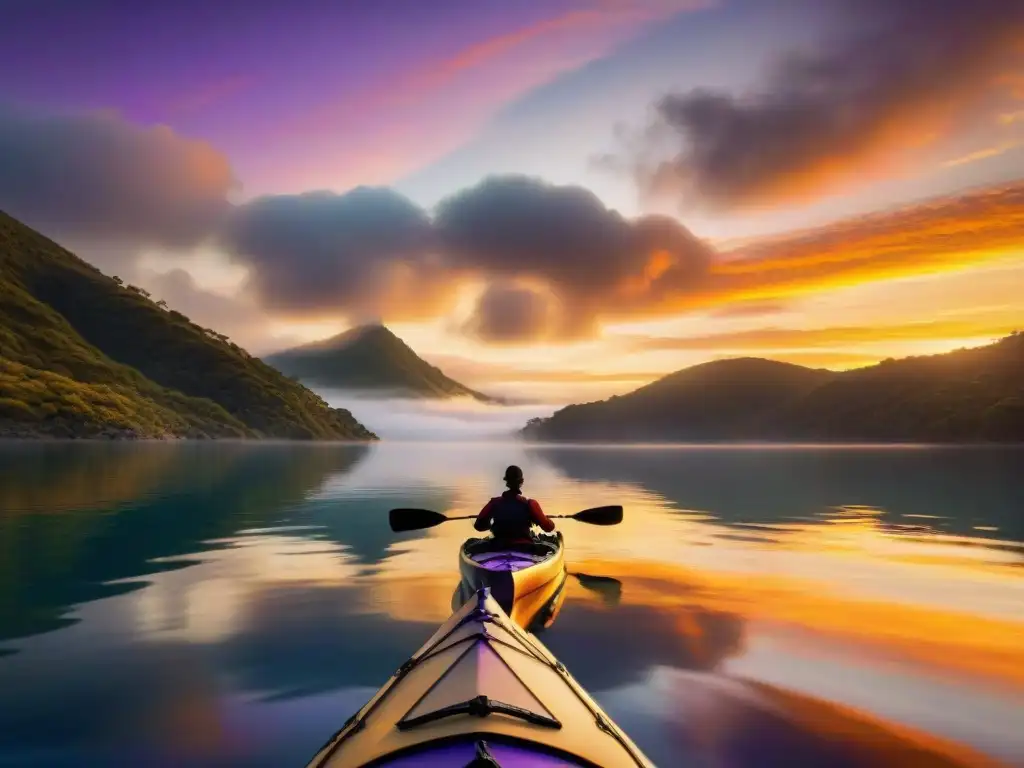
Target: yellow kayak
{"x": 525, "y": 579}
{"x": 481, "y": 693}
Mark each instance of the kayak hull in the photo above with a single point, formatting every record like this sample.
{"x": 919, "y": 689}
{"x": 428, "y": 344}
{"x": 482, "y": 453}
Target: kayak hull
{"x": 521, "y": 578}
{"x": 481, "y": 689}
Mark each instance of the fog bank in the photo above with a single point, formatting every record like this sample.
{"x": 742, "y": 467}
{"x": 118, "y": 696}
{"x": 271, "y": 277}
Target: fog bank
{"x": 443, "y": 420}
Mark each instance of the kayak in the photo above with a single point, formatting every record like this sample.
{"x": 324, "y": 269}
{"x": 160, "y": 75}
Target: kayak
{"x": 523, "y": 578}
{"x": 481, "y": 693}
{"x": 534, "y": 612}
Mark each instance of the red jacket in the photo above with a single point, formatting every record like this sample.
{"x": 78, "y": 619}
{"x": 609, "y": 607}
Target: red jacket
{"x": 483, "y": 520}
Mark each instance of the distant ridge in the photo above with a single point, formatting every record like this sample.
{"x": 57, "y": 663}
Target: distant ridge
{"x": 370, "y": 358}
{"x": 970, "y": 395}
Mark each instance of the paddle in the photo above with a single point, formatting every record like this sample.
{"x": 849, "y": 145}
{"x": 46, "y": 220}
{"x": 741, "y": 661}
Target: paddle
{"x": 412, "y": 519}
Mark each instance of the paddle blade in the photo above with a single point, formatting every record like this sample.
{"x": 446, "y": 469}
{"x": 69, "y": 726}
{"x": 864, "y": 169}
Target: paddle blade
{"x": 609, "y": 589}
{"x": 410, "y": 519}
{"x": 600, "y": 515}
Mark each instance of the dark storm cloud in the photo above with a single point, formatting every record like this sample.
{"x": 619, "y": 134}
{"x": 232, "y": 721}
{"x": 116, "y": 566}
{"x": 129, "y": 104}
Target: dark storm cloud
{"x": 321, "y": 250}
{"x": 893, "y": 73}
{"x": 96, "y": 177}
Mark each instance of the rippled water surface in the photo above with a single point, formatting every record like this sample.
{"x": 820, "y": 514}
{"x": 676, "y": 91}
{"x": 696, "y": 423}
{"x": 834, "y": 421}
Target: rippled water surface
{"x": 227, "y": 604}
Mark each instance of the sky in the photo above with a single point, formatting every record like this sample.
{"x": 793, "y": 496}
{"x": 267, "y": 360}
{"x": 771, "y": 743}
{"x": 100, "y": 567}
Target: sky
{"x": 558, "y": 199}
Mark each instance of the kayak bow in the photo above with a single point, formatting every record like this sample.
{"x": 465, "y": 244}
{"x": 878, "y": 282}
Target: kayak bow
{"x": 481, "y": 693}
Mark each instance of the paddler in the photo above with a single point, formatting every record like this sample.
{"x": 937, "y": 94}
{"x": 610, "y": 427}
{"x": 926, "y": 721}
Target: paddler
{"x": 511, "y": 516}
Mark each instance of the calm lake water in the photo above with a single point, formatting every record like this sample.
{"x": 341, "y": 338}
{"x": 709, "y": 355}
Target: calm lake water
{"x": 228, "y": 604}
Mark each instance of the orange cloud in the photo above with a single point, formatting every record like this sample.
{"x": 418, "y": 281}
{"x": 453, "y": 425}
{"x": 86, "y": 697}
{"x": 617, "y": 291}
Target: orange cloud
{"x": 932, "y": 237}
{"x": 751, "y": 309}
{"x": 983, "y": 154}
{"x": 658, "y": 263}
{"x": 834, "y": 117}
{"x": 789, "y": 338}
{"x": 929, "y": 238}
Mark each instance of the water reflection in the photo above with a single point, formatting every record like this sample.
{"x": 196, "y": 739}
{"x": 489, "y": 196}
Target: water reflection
{"x": 232, "y": 605}
{"x": 965, "y": 491}
{"x": 640, "y": 636}
{"x": 81, "y": 523}
{"x": 297, "y": 640}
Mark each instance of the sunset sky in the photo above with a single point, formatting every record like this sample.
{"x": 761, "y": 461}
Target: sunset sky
{"x": 555, "y": 198}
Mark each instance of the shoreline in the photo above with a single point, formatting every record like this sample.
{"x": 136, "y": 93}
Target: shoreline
{"x": 736, "y": 445}
{"x": 129, "y": 436}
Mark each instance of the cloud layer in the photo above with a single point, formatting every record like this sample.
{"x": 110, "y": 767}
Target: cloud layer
{"x": 588, "y": 258}
{"x": 551, "y": 259}
{"x": 529, "y": 261}
{"x": 95, "y": 176}
{"x": 892, "y": 75}
{"x": 322, "y": 251}
{"x": 548, "y": 260}
{"x": 932, "y": 237}
{"x": 985, "y": 325}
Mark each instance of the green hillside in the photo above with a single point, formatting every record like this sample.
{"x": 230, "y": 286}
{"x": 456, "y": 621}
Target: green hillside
{"x": 370, "y": 358}
{"x": 82, "y": 355}
{"x": 970, "y": 395}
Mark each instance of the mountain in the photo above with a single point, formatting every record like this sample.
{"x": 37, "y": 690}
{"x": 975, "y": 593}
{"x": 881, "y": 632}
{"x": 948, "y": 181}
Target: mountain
{"x": 716, "y": 400}
{"x": 82, "y": 355}
{"x": 969, "y": 395}
{"x": 370, "y": 358}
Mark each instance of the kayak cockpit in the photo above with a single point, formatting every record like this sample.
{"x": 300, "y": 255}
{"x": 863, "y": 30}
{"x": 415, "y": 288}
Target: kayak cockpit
{"x": 480, "y": 753}
{"x": 495, "y": 555}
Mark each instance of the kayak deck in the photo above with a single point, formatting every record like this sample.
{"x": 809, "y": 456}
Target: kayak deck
{"x": 481, "y": 692}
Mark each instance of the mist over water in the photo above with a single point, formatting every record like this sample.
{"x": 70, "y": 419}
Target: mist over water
{"x": 437, "y": 420}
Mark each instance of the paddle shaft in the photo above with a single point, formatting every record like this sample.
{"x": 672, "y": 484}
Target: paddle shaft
{"x": 472, "y": 517}
{"x": 413, "y": 519}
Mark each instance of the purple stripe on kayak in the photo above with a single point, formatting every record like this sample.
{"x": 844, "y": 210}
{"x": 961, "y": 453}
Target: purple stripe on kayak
{"x": 459, "y": 754}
